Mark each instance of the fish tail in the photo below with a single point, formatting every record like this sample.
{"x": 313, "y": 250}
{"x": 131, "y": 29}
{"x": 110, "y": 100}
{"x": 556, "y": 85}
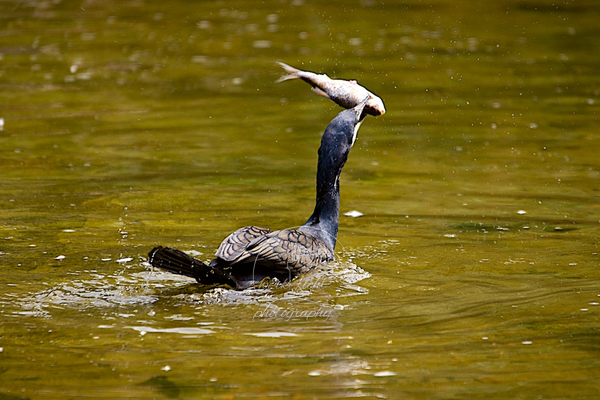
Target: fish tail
{"x": 292, "y": 73}
{"x": 178, "y": 262}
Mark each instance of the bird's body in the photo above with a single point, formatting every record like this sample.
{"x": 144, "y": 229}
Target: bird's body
{"x": 251, "y": 254}
{"x": 248, "y": 256}
{"x": 346, "y": 94}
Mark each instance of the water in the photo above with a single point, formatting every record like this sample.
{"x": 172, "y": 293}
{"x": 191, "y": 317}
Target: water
{"x": 473, "y": 272}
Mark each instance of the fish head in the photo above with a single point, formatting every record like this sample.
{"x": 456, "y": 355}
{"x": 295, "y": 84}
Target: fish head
{"x": 375, "y": 106}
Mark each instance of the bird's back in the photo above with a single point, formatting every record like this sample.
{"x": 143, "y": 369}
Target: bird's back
{"x": 286, "y": 251}
{"x": 234, "y": 245}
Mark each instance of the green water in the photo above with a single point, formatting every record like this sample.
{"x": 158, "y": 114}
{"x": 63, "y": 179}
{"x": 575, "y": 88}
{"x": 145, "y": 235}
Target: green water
{"x": 474, "y": 272}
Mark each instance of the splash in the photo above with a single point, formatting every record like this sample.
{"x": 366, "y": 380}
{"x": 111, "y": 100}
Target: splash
{"x": 90, "y": 290}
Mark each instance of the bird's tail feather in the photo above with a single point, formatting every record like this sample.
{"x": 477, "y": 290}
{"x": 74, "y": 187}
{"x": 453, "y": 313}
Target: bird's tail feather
{"x": 292, "y": 73}
{"x": 178, "y": 262}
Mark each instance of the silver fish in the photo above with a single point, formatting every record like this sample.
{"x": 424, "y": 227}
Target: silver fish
{"x": 347, "y": 94}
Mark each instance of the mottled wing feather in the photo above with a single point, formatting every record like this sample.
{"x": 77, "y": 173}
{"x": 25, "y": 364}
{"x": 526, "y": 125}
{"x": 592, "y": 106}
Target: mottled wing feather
{"x": 234, "y": 245}
{"x": 288, "y": 250}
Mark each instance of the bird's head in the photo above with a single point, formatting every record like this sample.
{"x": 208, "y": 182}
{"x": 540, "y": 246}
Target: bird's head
{"x": 346, "y": 124}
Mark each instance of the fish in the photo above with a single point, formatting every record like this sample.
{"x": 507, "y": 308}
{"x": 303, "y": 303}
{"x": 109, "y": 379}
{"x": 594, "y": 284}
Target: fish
{"x": 347, "y": 94}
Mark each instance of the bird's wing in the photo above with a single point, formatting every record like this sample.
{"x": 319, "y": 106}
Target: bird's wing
{"x": 234, "y": 245}
{"x": 287, "y": 249}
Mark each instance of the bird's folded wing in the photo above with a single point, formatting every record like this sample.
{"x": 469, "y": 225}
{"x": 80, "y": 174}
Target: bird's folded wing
{"x": 288, "y": 249}
{"x": 234, "y": 245}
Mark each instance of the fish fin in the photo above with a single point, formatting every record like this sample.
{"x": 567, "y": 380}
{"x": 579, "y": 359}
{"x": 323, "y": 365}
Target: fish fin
{"x": 292, "y": 73}
{"x": 320, "y": 92}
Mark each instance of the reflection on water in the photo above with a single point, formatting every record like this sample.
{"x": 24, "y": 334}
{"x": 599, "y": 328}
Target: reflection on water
{"x": 472, "y": 271}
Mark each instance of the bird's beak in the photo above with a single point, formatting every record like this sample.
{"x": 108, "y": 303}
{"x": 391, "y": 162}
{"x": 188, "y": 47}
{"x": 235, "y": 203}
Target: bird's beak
{"x": 358, "y": 109}
{"x": 360, "y": 116}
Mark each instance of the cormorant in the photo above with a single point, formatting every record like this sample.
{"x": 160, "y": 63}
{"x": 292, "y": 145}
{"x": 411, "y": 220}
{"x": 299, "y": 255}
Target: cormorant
{"x": 251, "y": 254}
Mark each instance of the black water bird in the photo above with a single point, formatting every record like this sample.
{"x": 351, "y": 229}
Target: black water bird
{"x": 251, "y": 254}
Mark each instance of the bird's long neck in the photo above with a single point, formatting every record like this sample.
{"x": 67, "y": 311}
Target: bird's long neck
{"x": 324, "y": 221}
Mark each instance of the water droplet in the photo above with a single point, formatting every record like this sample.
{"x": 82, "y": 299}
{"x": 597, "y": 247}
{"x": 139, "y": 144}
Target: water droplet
{"x": 199, "y": 59}
{"x": 261, "y": 44}
{"x": 353, "y": 214}
{"x": 272, "y": 334}
{"x": 384, "y": 373}
{"x": 204, "y": 25}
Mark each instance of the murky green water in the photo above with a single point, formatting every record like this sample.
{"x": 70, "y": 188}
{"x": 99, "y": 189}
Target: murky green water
{"x": 474, "y": 272}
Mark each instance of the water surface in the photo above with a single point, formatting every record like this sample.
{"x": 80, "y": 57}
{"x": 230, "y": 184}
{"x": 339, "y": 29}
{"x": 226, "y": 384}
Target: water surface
{"x": 474, "y": 272}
